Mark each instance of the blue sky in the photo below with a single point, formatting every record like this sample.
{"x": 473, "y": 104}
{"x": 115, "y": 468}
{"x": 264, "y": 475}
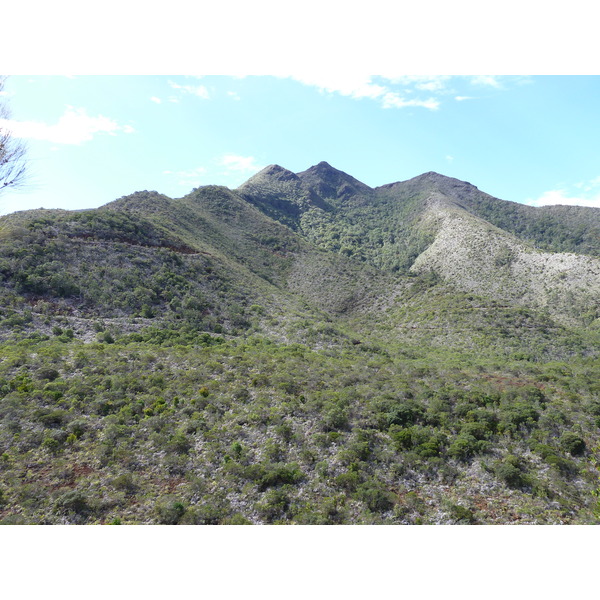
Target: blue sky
{"x": 92, "y": 139}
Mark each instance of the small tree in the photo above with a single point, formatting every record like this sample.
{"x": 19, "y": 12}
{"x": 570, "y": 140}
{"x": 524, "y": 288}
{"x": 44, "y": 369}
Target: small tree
{"x": 12, "y": 151}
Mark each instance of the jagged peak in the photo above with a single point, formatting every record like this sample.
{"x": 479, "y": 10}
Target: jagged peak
{"x": 324, "y": 174}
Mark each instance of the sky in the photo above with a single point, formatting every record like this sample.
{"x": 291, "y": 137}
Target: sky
{"x": 94, "y": 138}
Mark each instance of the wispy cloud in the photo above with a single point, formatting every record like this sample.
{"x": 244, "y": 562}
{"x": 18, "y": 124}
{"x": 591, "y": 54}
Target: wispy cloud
{"x": 74, "y": 127}
{"x": 429, "y": 83}
{"x": 156, "y": 100}
{"x": 588, "y": 194}
{"x": 190, "y": 177}
{"x": 355, "y": 86}
{"x": 235, "y": 162}
{"x": 487, "y": 80}
{"x": 402, "y": 91}
{"x": 200, "y": 91}
{"x": 380, "y": 89}
{"x": 394, "y": 100}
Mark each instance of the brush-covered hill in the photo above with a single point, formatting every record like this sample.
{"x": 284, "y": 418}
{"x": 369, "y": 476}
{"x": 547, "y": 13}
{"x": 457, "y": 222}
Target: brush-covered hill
{"x": 302, "y": 349}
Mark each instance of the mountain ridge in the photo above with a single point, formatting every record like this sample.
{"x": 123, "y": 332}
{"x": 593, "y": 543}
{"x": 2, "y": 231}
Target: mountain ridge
{"x": 302, "y": 349}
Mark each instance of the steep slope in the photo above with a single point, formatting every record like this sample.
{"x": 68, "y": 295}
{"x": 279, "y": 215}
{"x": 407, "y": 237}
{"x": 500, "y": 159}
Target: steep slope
{"x": 210, "y": 261}
{"x": 281, "y": 194}
{"x": 551, "y": 228}
{"x": 481, "y": 258}
{"x": 330, "y": 183}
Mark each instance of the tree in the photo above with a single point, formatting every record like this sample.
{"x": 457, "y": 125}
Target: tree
{"x": 12, "y": 151}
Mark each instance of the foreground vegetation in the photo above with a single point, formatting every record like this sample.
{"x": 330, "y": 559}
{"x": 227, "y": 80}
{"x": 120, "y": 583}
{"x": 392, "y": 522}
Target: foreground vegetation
{"x": 245, "y": 430}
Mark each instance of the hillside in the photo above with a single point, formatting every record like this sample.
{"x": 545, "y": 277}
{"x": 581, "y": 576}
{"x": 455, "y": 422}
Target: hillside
{"x": 303, "y": 349}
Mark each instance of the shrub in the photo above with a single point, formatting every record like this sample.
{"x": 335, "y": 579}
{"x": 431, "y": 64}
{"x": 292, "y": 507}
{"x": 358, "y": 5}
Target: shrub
{"x": 350, "y": 480}
{"x": 335, "y": 418}
{"x": 404, "y": 414}
{"x": 48, "y": 373}
{"x": 51, "y": 418}
{"x": 74, "y": 501}
{"x": 510, "y": 471}
{"x": 203, "y": 514}
{"x": 51, "y": 444}
{"x": 169, "y": 511}
{"x": 572, "y": 443}
{"x": 125, "y": 483}
{"x": 274, "y": 505}
{"x": 461, "y": 514}
{"x": 280, "y": 474}
{"x": 180, "y": 443}
{"x": 375, "y": 496}
{"x": 464, "y": 446}
{"x": 236, "y": 519}
{"x": 519, "y": 413}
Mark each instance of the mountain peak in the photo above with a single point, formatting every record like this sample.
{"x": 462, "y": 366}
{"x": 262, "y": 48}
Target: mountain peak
{"x": 432, "y": 181}
{"x": 271, "y": 173}
{"x": 329, "y": 182}
{"x": 323, "y": 169}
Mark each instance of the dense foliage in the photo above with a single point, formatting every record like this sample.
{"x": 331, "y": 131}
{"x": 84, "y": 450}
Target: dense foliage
{"x": 247, "y": 431}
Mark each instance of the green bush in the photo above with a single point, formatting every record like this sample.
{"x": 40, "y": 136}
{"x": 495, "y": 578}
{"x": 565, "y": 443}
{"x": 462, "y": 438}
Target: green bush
{"x": 461, "y": 514}
{"x": 206, "y": 513}
{"x": 125, "y": 483}
{"x": 375, "y": 495}
{"x": 74, "y": 501}
{"x": 179, "y": 443}
{"x": 274, "y": 505}
{"x": 47, "y": 373}
{"x": 510, "y": 470}
{"x": 404, "y": 414}
{"x": 169, "y": 510}
{"x": 464, "y": 446}
{"x": 572, "y": 443}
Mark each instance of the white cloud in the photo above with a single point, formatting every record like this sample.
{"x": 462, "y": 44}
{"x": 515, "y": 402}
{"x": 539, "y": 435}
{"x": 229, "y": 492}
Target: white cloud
{"x": 486, "y": 80}
{"x": 463, "y": 98}
{"x": 449, "y": 158}
{"x": 355, "y": 86}
{"x": 394, "y": 100}
{"x": 430, "y": 86}
{"x": 552, "y": 197}
{"x": 379, "y": 88}
{"x": 428, "y": 83}
{"x": 75, "y": 126}
{"x": 155, "y": 99}
{"x": 233, "y": 95}
{"x": 188, "y": 178}
{"x": 235, "y": 162}
{"x": 196, "y": 90}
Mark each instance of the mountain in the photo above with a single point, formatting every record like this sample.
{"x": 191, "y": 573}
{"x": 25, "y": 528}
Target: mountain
{"x": 302, "y": 349}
